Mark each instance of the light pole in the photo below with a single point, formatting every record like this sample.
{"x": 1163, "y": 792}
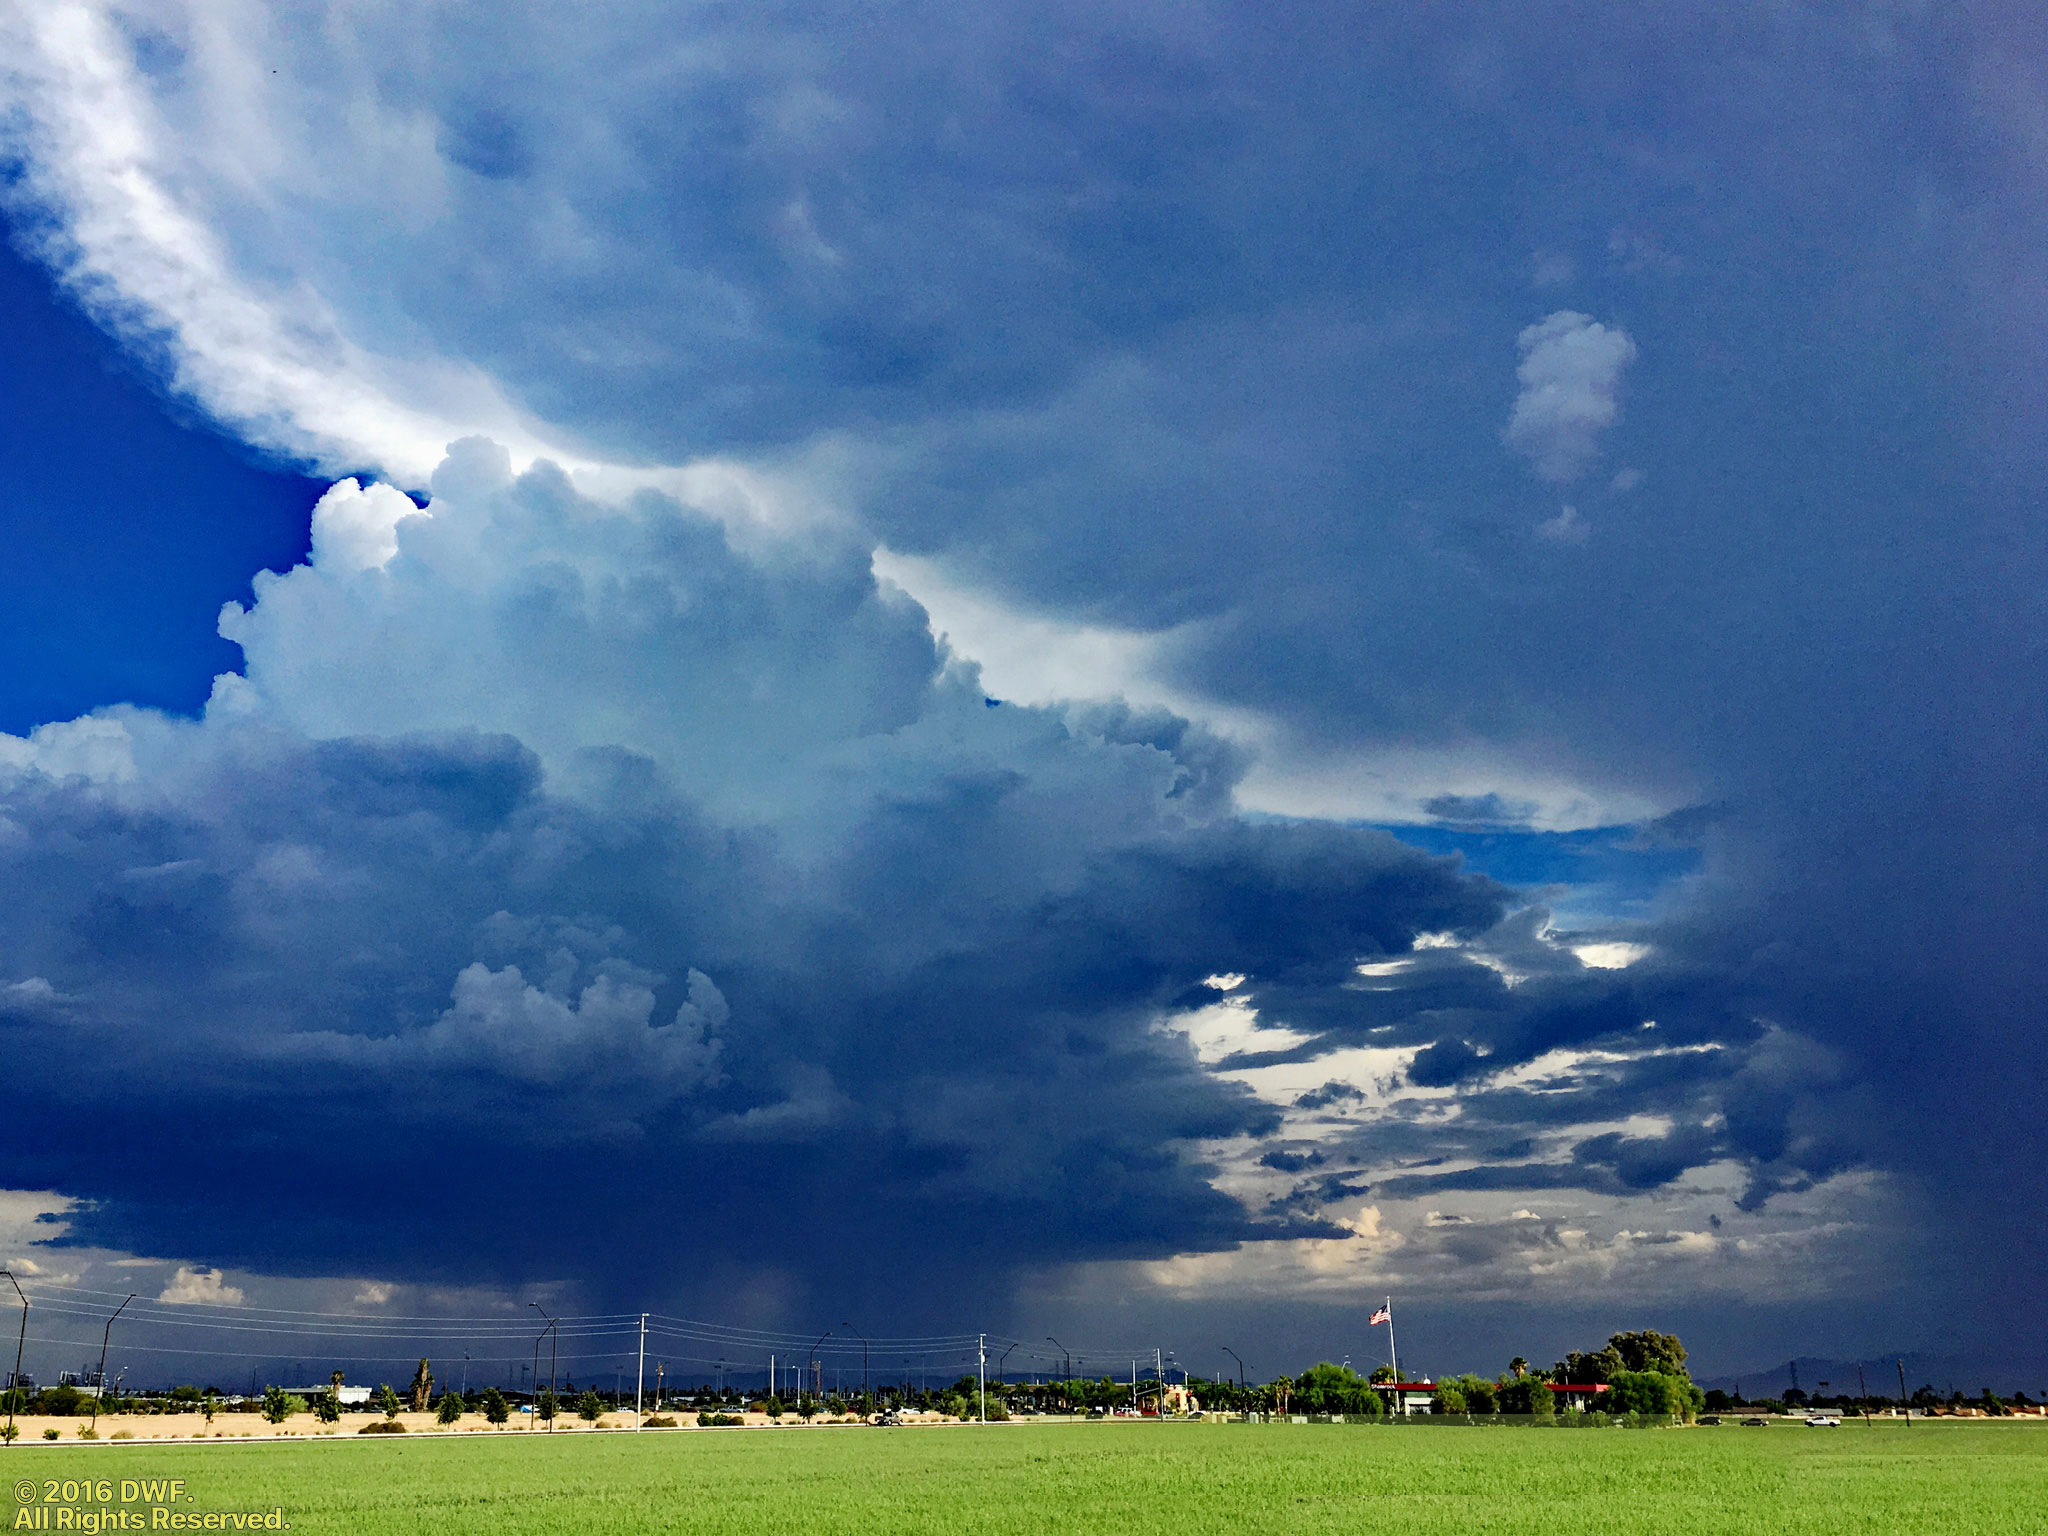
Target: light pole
{"x": 1066, "y": 1360}
{"x": 100, "y": 1382}
{"x": 15, "y": 1385}
{"x": 863, "y": 1361}
{"x": 554, "y": 1338}
{"x": 1001, "y": 1379}
{"x": 1240, "y": 1372}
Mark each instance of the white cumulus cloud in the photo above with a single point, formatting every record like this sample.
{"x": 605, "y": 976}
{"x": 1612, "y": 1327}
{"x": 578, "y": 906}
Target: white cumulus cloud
{"x": 195, "y": 1287}
{"x": 1570, "y": 375}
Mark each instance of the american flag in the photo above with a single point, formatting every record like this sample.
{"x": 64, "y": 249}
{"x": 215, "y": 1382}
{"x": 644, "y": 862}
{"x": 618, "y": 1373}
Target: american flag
{"x": 1380, "y": 1315}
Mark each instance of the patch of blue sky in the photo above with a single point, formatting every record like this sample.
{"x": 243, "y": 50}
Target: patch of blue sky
{"x": 1591, "y": 877}
{"x": 124, "y": 527}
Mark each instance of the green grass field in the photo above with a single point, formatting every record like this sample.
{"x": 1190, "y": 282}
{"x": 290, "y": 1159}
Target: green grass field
{"x": 1186, "y": 1479}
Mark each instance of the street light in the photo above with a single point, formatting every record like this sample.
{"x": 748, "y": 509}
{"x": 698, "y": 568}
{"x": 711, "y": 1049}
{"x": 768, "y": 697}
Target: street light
{"x": 863, "y": 1361}
{"x": 100, "y": 1382}
{"x": 1001, "y": 1379}
{"x": 553, "y": 1336}
{"x": 15, "y": 1385}
{"x": 1240, "y": 1366}
{"x": 1066, "y": 1360}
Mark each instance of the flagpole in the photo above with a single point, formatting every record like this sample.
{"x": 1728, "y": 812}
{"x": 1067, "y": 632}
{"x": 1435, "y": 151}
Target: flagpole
{"x": 1393, "y": 1354}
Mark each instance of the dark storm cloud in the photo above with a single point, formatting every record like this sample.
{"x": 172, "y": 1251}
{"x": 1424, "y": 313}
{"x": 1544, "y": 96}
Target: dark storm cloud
{"x": 431, "y": 995}
{"x": 1206, "y": 314}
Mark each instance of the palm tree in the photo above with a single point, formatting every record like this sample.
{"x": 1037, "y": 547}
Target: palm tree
{"x": 1519, "y": 1366}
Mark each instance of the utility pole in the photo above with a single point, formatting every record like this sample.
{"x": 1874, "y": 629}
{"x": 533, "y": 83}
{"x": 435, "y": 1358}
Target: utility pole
{"x": 553, "y": 1337}
{"x": 1863, "y": 1394}
{"x": 640, "y": 1376}
{"x": 982, "y": 1350}
{"x": 22, "y": 1338}
{"x": 865, "y": 1390}
{"x": 99, "y": 1389}
{"x": 1905, "y": 1402}
{"x": 818, "y": 1366}
{"x": 657, "y": 1385}
{"x": 771, "y": 1375}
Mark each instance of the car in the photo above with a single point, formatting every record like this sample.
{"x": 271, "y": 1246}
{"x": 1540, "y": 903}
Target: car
{"x": 1710, "y": 1418}
{"x": 1756, "y": 1423}
{"x": 1823, "y": 1421}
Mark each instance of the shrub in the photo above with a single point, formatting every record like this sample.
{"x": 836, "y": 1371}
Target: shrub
{"x": 123, "y": 1434}
{"x": 49, "y": 1434}
{"x": 660, "y": 1421}
{"x": 709, "y": 1420}
{"x": 87, "y": 1432}
{"x": 382, "y": 1427}
{"x": 8, "y": 1432}
{"x": 59, "y": 1402}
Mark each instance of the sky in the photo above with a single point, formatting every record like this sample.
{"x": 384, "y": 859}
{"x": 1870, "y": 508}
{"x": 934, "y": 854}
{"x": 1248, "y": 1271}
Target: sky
{"x": 1127, "y": 672}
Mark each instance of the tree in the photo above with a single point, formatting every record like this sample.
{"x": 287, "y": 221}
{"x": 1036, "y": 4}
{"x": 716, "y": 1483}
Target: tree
{"x": 1650, "y": 1350}
{"x": 422, "y": 1389}
{"x": 327, "y": 1407}
{"x": 1519, "y": 1366}
{"x": 807, "y": 1408}
{"x": 452, "y": 1407}
{"x": 279, "y": 1405}
{"x": 588, "y": 1407}
{"x": 1529, "y": 1395}
{"x": 1587, "y": 1370}
{"x": 209, "y": 1405}
{"x": 388, "y": 1401}
{"x": 547, "y": 1405}
{"x": 1466, "y": 1394}
{"x": 496, "y": 1409}
{"x": 1335, "y": 1389}
{"x": 1653, "y": 1392}
{"x": 773, "y": 1407}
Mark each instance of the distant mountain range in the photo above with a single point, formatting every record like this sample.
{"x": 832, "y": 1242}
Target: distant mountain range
{"x": 2024, "y": 1371}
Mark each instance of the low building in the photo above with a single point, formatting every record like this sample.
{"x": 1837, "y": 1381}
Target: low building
{"x": 1405, "y": 1397}
{"x": 351, "y": 1397}
{"x": 1576, "y": 1397}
